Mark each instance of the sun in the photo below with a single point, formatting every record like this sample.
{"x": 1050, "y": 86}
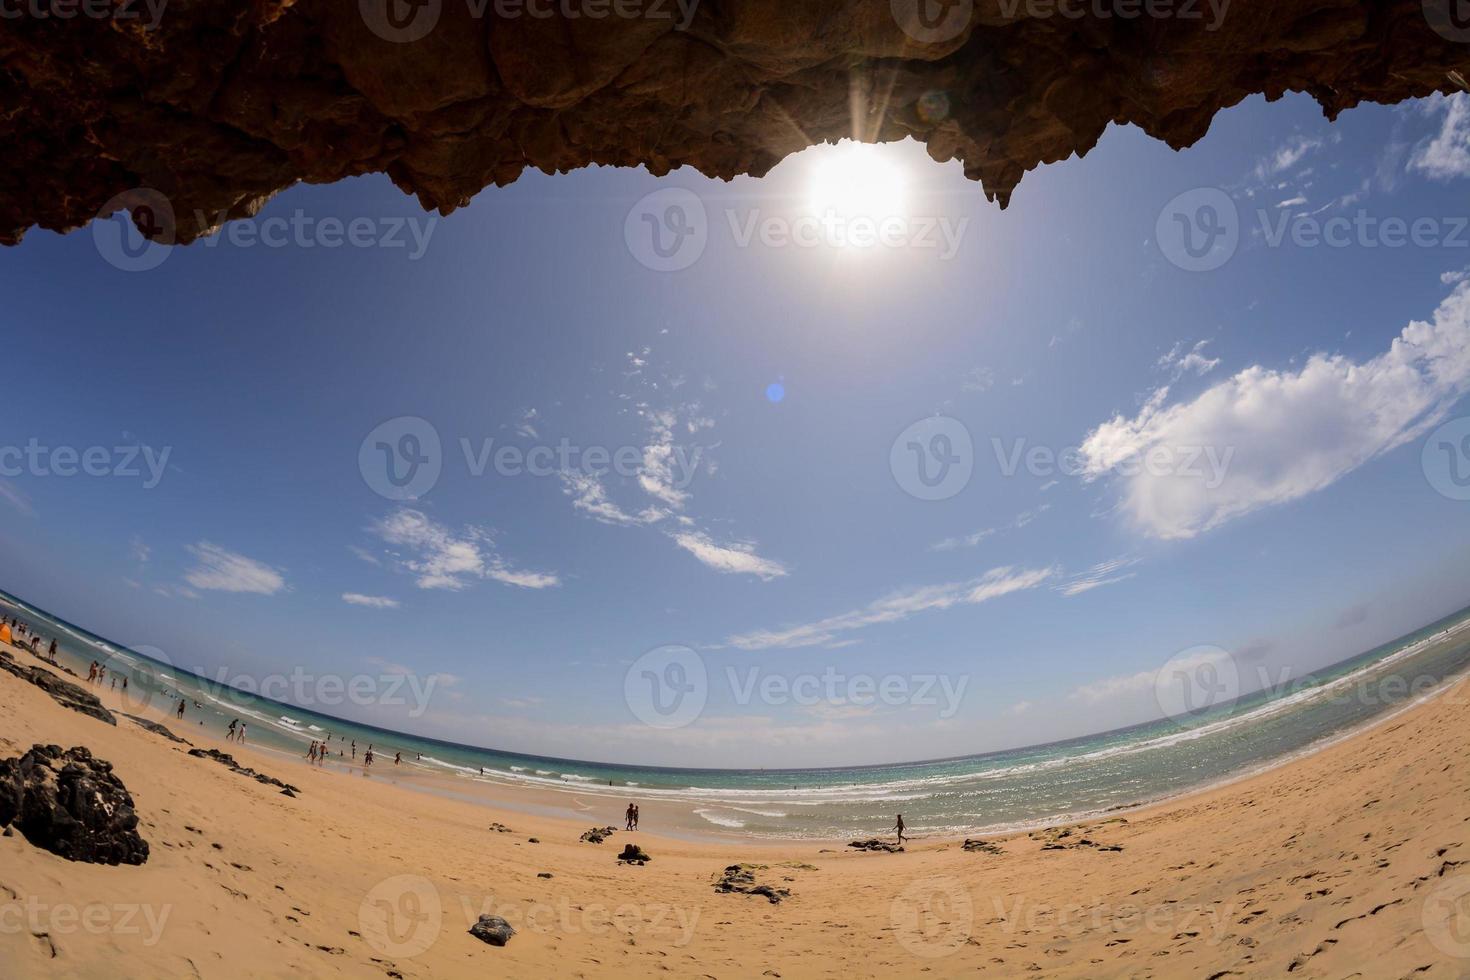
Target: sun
{"x": 856, "y": 180}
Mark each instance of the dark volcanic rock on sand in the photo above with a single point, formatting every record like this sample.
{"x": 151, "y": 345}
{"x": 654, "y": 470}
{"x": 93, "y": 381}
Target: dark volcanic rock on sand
{"x": 71, "y": 804}
{"x": 228, "y": 761}
{"x": 65, "y": 693}
{"x": 493, "y": 930}
{"x": 738, "y": 878}
{"x": 155, "y": 728}
{"x": 598, "y": 834}
{"x": 875, "y": 844}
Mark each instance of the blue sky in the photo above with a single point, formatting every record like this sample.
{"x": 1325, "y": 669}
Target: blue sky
{"x": 766, "y": 528}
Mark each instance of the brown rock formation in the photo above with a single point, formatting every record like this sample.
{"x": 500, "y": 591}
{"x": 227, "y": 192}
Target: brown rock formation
{"x": 218, "y": 105}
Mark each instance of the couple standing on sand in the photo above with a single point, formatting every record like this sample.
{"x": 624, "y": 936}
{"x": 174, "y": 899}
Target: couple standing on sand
{"x": 631, "y": 816}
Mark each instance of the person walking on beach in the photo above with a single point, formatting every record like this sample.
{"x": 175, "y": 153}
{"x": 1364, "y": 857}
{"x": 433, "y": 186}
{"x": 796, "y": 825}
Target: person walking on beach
{"x": 240, "y": 735}
{"x": 52, "y": 654}
{"x": 397, "y": 758}
{"x": 898, "y": 826}
{"x": 92, "y": 672}
{"x": 628, "y": 818}
{"x": 230, "y": 735}
{"x": 181, "y": 708}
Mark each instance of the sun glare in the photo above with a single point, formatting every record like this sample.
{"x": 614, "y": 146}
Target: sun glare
{"x": 856, "y": 180}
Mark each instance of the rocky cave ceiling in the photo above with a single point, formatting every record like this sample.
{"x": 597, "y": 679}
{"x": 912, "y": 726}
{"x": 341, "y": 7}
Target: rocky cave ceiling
{"x": 218, "y": 105}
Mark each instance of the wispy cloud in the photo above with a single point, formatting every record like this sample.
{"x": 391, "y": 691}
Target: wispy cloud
{"x": 1103, "y": 573}
{"x": 895, "y": 608}
{"x": 1287, "y": 433}
{"x": 1179, "y": 361}
{"x": 974, "y": 538}
{"x": 1445, "y": 155}
{"x": 12, "y": 495}
{"x": 446, "y": 559}
{"x": 666, "y": 471}
{"x": 371, "y": 601}
{"x": 736, "y": 557}
{"x": 220, "y": 570}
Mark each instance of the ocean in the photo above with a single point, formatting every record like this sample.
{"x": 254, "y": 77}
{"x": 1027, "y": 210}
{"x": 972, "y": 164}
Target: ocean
{"x": 993, "y": 792}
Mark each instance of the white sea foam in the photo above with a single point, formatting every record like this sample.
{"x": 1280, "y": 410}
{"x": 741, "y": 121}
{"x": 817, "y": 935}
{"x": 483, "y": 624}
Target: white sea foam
{"x": 720, "y": 821}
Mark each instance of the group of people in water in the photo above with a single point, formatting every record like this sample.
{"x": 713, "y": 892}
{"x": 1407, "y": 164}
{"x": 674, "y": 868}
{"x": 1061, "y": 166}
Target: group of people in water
{"x": 97, "y": 673}
{"x": 320, "y": 750}
{"x": 18, "y": 633}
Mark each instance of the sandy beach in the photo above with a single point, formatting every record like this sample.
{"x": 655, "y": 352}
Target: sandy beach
{"x": 1344, "y": 863}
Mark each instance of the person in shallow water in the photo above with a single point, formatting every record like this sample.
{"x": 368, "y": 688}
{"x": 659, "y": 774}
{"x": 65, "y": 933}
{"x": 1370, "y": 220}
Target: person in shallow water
{"x": 898, "y": 826}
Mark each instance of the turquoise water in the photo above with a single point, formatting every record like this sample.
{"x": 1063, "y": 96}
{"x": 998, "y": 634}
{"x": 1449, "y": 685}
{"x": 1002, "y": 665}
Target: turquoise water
{"x": 995, "y": 791}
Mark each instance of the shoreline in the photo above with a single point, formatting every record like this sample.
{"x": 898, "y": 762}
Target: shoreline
{"x": 563, "y": 802}
{"x": 253, "y": 883}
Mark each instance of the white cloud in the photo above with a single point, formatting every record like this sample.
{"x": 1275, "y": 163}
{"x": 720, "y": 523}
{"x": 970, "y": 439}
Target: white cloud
{"x": 590, "y": 497}
{"x": 1454, "y": 276}
{"x": 1292, "y": 202}
{"x": 220, "y": 570}
{"x": 365, "y": 555}
{"x": 974, "y": 538}
{"x": 140, "y": 549}
{"x": 737, "y": 558}
{"x": 1103, "y": 573}
{"x": 371, "y": 601}
{"x": 895, "y": 608}
{"x": 1131, "y": 685}
{"x": 1180, "y": 362}
{"x": 1446, "y": 155}
{"x": 1286, "y": 156}
{"x": 1276, "y": 436}
{"x": 447, "y": 559}
{"x": 657, "y": 475}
